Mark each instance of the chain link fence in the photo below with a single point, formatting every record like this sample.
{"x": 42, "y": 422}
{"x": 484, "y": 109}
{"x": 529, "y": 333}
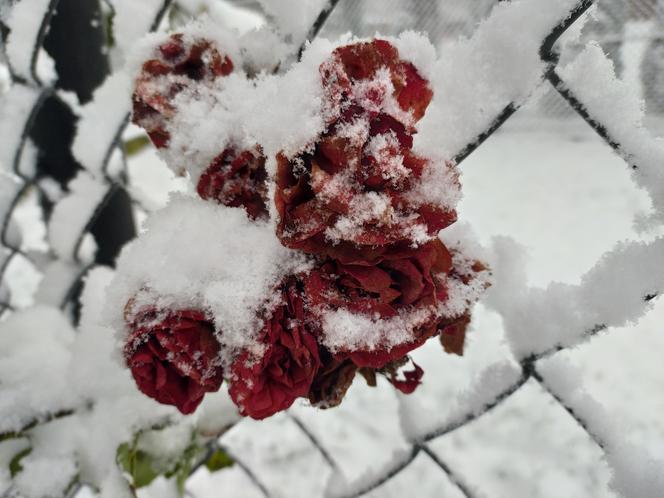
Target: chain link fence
{"x": 631, "y": 32}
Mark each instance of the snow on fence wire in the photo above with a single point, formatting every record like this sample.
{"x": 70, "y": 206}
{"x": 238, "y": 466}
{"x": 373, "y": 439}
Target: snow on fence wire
{"x": 576, "y": 312}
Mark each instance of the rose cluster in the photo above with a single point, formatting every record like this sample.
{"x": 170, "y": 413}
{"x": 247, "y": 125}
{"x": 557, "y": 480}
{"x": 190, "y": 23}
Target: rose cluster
{"x": 363, "y": 206}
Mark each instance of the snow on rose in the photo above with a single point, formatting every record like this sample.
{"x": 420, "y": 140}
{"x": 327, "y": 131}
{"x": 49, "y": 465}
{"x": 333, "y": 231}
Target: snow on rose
{"x": 357, "y": 276}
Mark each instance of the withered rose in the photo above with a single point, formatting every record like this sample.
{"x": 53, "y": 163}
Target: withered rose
{"x": 173, "y": 356}
{"x": 453, "y": 335}
{"x": 332, "y": 380}
{"x": 361, "y": 185}
{"x": 403, "y": 279}
{"x": 237, "y": 179}
{"x": 176, "y": 65}
{"x": 354, "y": 72}
{"x": 263, "y": 386}
{"x": 404, "y": 380}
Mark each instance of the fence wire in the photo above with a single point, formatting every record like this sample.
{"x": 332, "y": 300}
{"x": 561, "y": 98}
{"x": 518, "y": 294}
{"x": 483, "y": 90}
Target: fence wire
{"x": 30, "y": 92}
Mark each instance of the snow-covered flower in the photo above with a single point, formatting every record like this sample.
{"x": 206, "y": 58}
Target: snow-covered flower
{"x": 173, "y": 356}
{"x": 264, "y": 386}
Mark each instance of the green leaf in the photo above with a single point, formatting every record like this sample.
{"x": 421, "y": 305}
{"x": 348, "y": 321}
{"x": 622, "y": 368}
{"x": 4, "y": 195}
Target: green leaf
{"x": 136, "y": 144}
{"x": 15, "y": 465}
{"x": 219, "y": 460}
{"x": 137, "y": 464}
{"x": 144, "y": 472}
{"x": 183, "y": 468}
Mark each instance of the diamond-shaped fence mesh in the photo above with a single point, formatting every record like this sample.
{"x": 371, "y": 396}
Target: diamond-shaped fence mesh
{"x": 630, "y": 32}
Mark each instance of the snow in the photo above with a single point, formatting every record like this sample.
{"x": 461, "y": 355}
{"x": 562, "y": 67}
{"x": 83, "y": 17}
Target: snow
{"x": 26, "y": 339}
{"x": 72, "y": 213}
{"x": 115, "y": 486}
{"x": 15, "y": 107}
{"x": 294, "y": 17}
{"x": 30, "y": 482}
{"x": 99, "y": 121}
{"x": 614, "y": 103}
{"x": 484, "y": 390}
{"x": 636, "y": 474}
{"x": 132, "y": 20}
{"x": 225, "y": 15}
{"x": 243, "y": 112}
{"x": 229, "y": 270}
{"x": 57, "y": 279}
{"x": 343, "y": 330}
{"x": 24, "y": 21}
{"x": 439, "y": 185}
{"x": 476, "y": 78}
{"x": 9, "y": 188}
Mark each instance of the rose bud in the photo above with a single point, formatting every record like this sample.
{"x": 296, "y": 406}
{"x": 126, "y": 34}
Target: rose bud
{"x": 176, "y": 65}
{"x": 237, "y": 180}
{"x": 263, "y": 386}
{"x": 173, "y": 356}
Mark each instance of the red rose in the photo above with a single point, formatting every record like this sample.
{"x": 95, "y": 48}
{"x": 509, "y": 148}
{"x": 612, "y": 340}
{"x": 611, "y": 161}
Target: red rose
{"x": 237, "y": 179}
{"x": 362, "y": 185}
{"x": 400, "y": 280}
{"x": 175, "y": 67}
{"x": 352, "y": 73}
{"x": 174, "y": 356}
{"x": 261, "y": 387}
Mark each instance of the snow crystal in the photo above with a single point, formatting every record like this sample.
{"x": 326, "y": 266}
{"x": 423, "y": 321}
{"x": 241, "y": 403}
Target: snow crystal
{"x": 216, "y": 260}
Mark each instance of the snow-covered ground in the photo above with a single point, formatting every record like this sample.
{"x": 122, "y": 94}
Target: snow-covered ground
{"x": 557, "y": 189}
